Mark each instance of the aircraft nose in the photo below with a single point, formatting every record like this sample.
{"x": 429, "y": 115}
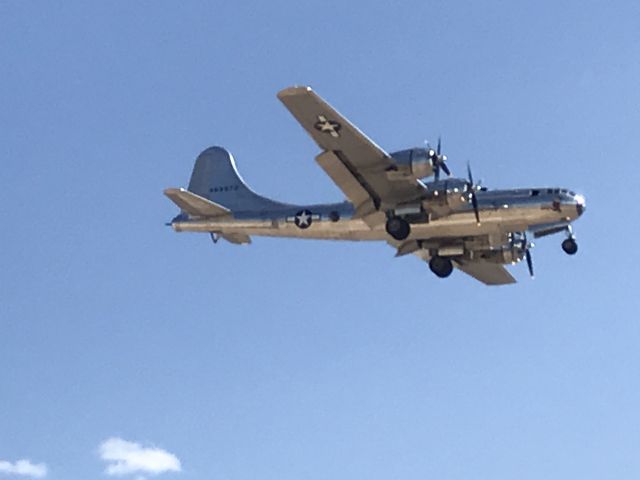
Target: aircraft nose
{"x": 581, "y": 204}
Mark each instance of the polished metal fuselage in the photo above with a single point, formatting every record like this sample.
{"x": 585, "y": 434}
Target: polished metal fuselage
{"x": 501, "y": 211}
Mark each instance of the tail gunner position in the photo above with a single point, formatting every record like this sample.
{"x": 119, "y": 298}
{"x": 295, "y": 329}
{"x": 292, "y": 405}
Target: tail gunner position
{"x": 449, "y": 222}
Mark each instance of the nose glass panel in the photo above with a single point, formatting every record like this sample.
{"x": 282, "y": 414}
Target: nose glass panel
{"x": 581, "y": 205}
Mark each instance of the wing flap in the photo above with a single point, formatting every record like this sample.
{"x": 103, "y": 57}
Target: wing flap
{"x": 195, "y": 204}
{"x": 366, "y": 202}
{"x": 487, "y": 273}
{"x": 343, "y": 178}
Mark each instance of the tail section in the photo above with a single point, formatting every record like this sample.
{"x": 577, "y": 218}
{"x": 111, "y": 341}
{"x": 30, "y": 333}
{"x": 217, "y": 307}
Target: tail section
{"x": 216, "y": 178}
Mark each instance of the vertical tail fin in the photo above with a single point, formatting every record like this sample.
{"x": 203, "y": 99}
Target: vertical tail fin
{"x": 216, "y": 178}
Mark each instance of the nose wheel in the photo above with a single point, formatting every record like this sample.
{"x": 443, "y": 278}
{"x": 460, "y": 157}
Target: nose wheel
{"x": 441, "y": 266}
{"x": 570, "y": 246}
{"x": 398, "y": 228}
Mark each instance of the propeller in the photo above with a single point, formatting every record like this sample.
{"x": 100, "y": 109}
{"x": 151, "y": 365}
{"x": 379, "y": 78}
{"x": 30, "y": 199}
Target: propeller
{"x": 527, "y": 253}
{"x": 472, "y": 190}
{"x": 437, "y": 160}
{"x": 526, "y": 246}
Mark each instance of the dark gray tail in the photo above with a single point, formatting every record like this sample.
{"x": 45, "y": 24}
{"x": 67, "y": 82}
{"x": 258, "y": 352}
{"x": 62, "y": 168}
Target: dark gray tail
{"x": 216, "y": 177}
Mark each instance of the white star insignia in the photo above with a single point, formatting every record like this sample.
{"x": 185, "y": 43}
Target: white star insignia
{"x": 327, "y": 126}
{"x": 303, "y": 219}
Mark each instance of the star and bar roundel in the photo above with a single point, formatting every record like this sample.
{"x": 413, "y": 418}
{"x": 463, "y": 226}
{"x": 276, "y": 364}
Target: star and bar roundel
{"x": 325, "y": 125}
{"x": 303, "y": 219}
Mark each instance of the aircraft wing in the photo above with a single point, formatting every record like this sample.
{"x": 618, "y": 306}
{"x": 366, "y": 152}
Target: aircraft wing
{"x": 487, "y": 273}
{"x": 360, "y": 168}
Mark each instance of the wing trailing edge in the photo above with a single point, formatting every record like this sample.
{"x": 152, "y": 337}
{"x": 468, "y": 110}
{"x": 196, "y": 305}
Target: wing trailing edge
{"x": 487, "y": 273}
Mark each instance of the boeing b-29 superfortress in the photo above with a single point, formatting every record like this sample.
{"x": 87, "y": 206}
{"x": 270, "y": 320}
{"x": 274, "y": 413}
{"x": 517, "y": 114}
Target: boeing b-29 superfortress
{"x": 449, "y": 222}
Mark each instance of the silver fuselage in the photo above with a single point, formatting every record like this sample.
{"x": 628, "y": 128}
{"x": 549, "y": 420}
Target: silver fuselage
{"x": 501, "y": 211}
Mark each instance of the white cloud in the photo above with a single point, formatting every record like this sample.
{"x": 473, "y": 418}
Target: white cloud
{"x": 23, "y": 467}
{"x": 125, "y": 457}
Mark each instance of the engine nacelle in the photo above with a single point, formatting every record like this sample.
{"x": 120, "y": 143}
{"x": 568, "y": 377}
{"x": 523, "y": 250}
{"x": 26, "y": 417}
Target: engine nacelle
{"x": 451, "y": 193}
{"x": 505, "y": 255}
{"x": 414, "y": 162}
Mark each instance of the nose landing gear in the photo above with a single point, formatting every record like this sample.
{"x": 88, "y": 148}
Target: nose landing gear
{"x": 569, "y": 245}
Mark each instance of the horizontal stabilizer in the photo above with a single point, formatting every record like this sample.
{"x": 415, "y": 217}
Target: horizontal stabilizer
{"x": 195, "y": 204}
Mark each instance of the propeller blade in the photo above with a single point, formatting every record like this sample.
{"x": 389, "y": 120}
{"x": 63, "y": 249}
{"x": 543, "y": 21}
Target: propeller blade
{"x": 469, "y": 174}
{"x": 527, "y": 254}
{"x": 438, "y": 160}
{"x": 472, "y": 189}
{"x": 474, "y": 202}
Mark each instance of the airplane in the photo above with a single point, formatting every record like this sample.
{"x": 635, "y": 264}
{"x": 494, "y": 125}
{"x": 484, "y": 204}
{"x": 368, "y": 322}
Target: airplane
{"x": 447, "y": 222}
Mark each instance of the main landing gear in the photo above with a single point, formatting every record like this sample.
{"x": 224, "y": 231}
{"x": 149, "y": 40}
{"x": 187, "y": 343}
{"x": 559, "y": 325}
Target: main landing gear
{"x": 570, "y": 246}
{"x": 441, "y": 266}
{"x": 398, "y": 228}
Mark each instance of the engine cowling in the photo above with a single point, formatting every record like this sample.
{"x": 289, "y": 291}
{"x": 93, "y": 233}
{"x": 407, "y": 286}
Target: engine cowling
{"x": 451, "y": 193}
{"x": 414, "y": 162}
{"x": 505, "y": 255}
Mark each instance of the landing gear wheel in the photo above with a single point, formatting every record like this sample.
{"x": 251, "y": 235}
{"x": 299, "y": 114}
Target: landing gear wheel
{"x": 570, "y": 246}
{"x": 442, "y": 267}
{"x": 398, "y": 228}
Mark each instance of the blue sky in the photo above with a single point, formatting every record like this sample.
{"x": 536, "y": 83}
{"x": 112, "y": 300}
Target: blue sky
{"x": 285, "y": 359}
